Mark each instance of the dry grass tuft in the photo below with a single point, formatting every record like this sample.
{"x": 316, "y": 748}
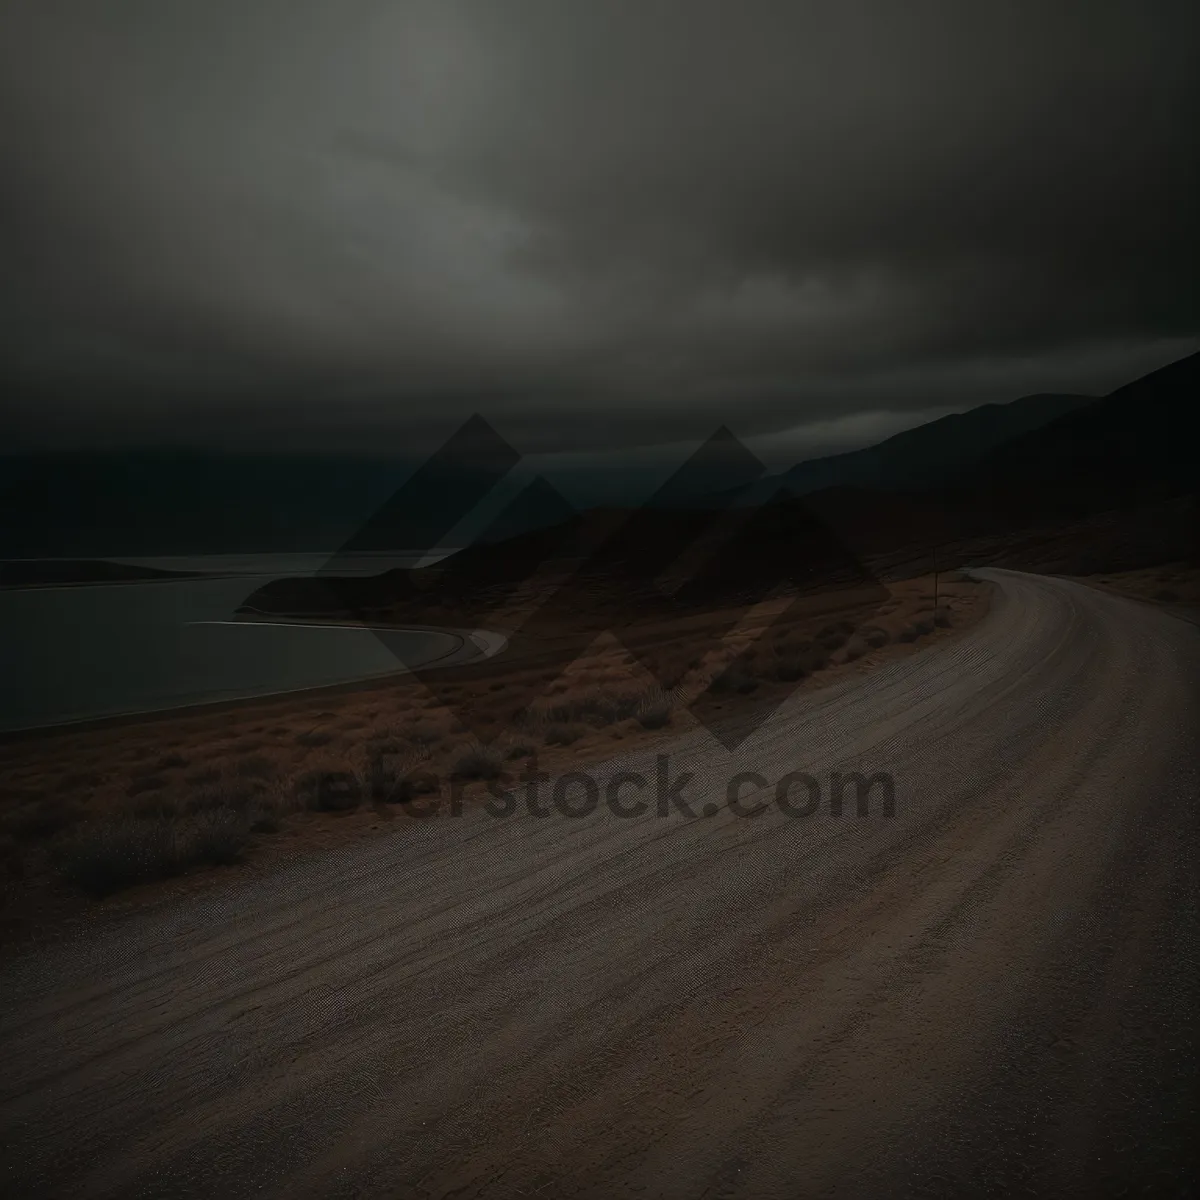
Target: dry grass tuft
{"x": 314, "y": 737}
{"x": 254, "y": 766}
{"x": 561, "y": 734}
{"x": 108, "y": 855}
{"x": 478, "y": 762}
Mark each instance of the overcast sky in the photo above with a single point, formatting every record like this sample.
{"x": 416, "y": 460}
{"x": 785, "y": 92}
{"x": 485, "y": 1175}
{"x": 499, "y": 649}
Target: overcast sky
{"x": 611, "y": 221}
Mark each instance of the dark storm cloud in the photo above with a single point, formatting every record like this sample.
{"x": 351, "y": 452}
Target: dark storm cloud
{"x": 588, "y": 220}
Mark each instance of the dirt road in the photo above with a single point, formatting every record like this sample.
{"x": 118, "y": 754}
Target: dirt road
{"x": 992, "y": 990}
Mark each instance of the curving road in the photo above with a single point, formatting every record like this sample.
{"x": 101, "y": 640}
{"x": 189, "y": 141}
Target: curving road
{"x": 992, "y": 991}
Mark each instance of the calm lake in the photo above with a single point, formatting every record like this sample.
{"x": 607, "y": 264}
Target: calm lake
{"x": 70, "y": 653}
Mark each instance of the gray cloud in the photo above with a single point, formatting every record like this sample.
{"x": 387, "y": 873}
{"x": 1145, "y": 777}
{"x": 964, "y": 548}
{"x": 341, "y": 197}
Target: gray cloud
{"x": 593, "y": 222}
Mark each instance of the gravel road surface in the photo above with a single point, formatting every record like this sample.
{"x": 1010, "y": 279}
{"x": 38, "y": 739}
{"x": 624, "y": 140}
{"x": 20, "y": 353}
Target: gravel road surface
{"x": 992, "y": 991}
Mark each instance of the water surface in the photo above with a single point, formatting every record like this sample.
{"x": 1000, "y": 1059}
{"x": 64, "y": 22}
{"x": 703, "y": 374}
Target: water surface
{"x": 69, "y": 653}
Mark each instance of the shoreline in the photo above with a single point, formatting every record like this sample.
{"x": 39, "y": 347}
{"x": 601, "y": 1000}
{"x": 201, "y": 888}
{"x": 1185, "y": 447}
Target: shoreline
{"x": 72, "y": 782}
{"x": 137, "y": 717}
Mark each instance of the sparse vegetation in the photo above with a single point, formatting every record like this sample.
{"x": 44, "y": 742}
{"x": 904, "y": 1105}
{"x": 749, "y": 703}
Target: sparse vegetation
{"x": 254, "y": 766}
{"x": 856, "y": 647}
{"x": 596, "y": 706}
{"x": 145, "y": 783}
{"x": 654, "y": 709}
{"x": 790, "y": 667}
{"x": 107, "y": 855}
{"x": 478, "y": 762}
{"x": 40, "y": 818}
{"x": 314, "y": 737}
{"x": 103, "y": 806}
{"x": 228, "y": 794}
{"x": 736, "y": 677}
{"x": 74, "y": 780}
{"x": 266, "y": 820}
{"x": 815, "y": 658}
{"x": 328, "y": 789}
{"x": 155, "y": 804}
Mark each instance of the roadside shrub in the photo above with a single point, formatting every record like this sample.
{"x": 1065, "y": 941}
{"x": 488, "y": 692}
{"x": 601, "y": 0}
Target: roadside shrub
{"x": 671, "y": 678}
{"x": 855, "y": 648}
{"x": 815, "y": 658}
{"x": 40, "y": 819}
{"x": 478, "y": 762}
{"x": 786, "y": 641}
{"x": 399, "y": 783}
{"x": 721, "y": 682}
{"x": 600, "y": 706}
{"x": 328, "y": 790}
{"x": 314, "y": 737}
{"x": 1166, "y": 595}
{"x": 106, "y": 856}
{"x": 216, "y": 837}
{"x": 155, "y": 805}
{"x": 14, "y": 863}
{"x": 81, "y": 779}
{"x": 736, "y": 677}
{"x": 834, "y": 635}
{"x": 254, "y": 766}
{"x": 876, "y": 637}
{"x": 560, "y": 734}
{"x": 228, "y": 794}
{"x": 145, "y": 783}
{"x": 384, "y": 743}
{"x": 520, "y": 750}
{"x": 204, "y": 776}
{"x": 654, "y": 709}
{"x": 170, "y": 762}
{"x": 941, "y": 617}
{"x": 789, "y": 668}
{"x": 265, "y": 820}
